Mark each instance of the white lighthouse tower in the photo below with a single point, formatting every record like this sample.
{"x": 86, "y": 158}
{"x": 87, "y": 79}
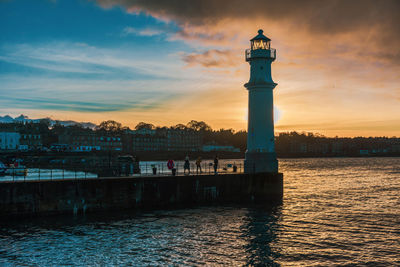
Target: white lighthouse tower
{"x": 260, "y": 155}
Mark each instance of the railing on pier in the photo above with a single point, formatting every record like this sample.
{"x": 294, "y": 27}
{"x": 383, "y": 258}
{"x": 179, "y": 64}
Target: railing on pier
{"x": 205, "y": 168}
{"x": 38, "y": 174}
{"x": 146, "y": 169}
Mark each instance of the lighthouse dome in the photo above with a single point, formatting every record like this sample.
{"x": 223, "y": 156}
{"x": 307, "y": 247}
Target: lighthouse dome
{"x": 260, "y": 36}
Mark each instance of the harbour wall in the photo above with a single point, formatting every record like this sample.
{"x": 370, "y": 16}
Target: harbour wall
{"x": 80, "y": 196}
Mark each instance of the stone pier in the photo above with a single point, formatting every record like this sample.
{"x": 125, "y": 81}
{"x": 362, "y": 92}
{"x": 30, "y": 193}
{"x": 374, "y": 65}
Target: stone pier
{"x": 80, "y": 196}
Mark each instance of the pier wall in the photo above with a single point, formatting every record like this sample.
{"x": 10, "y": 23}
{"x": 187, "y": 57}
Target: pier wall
{"x": 34, "y": 198}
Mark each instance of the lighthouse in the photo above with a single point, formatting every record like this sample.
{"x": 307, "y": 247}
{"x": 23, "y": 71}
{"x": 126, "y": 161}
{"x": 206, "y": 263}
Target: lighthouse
{"x": 260, "y": 155}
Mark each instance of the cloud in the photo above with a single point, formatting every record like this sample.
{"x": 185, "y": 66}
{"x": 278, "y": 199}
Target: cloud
{"x": 376, "y": 22}
{"x": 142, "y": 32}
{"x": 48, "y": 103}
{"x": 212, "y": 58}
{"x": 207, "y": 35}
{"x": 82, "y": 60}
{"x": 320, "y": 16}
{"x": 64, "y": 76}
{"x": 89, "y": 96}
{"x": 77, "y": 77}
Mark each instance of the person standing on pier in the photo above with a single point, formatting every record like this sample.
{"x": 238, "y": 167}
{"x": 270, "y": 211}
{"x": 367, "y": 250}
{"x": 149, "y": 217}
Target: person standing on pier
{"x": 171, "y": 166}
{"x": 186, "y": 166}
{"x": 198, "y": 165}
{"x": 215, "y": 164}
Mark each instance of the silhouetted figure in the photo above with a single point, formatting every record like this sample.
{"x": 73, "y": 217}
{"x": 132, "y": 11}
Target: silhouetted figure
{"x": 171, "y": 166}
{"x": 215, "y": 164}
{"x": 186, "y": 166}
{"x": 198, "y": 165}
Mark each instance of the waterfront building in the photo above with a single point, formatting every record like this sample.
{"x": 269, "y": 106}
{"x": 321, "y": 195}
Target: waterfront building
{"x": 260, "y": 155}
{"x": 110, "y": 143}
{"x": 210, "y": 148}
{"x": 337, "y": 147}
{"x": 185, "y": 140}
{"x": 9, "y": 140}
{"x": 162, "y": 139}
{"x": 145, "y": 140}
{"x": 395, "y": 148}
{"x": 87, "y": 142}
{"x": 318, "y": 148}
{"x": 144, "y": 131}
{"x": 298, "y": 148}
{"x": 31, "y": 140}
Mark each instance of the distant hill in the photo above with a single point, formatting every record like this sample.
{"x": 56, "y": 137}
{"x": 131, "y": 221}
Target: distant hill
{"x": 23, "y": 119}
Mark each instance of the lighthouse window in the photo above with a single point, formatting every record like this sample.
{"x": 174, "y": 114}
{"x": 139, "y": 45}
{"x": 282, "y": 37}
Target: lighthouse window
{"x": 260, "y": 44}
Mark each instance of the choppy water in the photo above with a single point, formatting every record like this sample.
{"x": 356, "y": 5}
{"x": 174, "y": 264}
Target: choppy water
{"x": 334, "y": 212}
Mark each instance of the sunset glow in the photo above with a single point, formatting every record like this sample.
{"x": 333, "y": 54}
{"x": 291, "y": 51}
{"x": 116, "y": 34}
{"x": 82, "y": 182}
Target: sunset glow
{"x": 337, "y": 64}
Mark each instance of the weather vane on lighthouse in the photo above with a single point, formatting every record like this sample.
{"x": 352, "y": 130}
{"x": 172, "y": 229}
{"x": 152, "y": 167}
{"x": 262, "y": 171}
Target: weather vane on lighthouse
{"x": 260, "y": 155}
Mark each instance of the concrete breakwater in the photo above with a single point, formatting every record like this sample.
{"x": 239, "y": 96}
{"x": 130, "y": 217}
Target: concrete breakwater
{"x": 80, "y": 196}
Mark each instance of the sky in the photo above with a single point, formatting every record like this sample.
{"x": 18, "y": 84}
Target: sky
{"x": 169, "y": 62}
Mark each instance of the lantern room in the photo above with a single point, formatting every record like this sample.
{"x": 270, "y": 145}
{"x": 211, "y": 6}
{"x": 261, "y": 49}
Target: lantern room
{"x": 260, "y": 48}
{"x": 260, "y": 41}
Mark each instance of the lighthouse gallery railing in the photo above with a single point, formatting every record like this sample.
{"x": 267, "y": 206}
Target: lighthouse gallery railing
{"x": 271, "y": 51}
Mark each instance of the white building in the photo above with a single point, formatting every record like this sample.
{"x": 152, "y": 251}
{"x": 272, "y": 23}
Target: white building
{"x": 9, "y": 140}
{"x": 260, "y": 155}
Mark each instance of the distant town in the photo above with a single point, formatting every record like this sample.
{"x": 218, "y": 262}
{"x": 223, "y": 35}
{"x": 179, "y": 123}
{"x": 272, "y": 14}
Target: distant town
{"x": 196, "y": 137}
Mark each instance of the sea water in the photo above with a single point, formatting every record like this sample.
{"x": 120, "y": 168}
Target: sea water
{"x": 335, "y": 211}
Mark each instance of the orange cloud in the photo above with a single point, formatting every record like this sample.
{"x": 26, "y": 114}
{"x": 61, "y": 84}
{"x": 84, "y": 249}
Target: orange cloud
{"x": 212, "y": 58}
